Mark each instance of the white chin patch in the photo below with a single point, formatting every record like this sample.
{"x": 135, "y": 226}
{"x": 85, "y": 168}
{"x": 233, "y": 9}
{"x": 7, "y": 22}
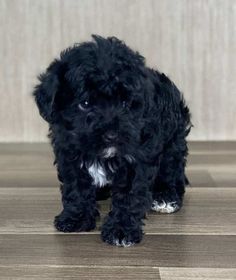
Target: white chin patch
{"x": 109, "y": 152}
{"x": 164, "y": 207}
{"x": 98, "y": 174}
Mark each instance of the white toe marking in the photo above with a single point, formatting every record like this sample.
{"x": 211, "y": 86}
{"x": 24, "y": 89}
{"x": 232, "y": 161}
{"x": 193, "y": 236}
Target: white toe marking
{"x": 117, "y": 242}
{"x": 123, "y": 243}
{"x": 164, "y": 207}
{"x": 126, "y": 243}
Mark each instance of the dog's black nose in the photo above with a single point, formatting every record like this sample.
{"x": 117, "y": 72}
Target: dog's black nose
{"x": 110, "y": 136}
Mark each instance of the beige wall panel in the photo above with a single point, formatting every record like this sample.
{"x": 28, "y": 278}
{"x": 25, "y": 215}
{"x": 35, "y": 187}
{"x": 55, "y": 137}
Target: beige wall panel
{"x": 193, "y": 41}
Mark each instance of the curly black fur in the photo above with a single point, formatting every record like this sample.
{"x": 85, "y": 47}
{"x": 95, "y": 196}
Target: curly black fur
{"x": 115, "y": 123}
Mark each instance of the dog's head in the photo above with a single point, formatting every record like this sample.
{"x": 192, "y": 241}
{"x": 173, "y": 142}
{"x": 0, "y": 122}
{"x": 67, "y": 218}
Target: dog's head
{"x": 94, "y": 95}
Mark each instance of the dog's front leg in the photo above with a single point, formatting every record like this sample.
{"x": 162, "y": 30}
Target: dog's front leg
{"x": 130, "y": 201}
{"x": 78, "y": 199}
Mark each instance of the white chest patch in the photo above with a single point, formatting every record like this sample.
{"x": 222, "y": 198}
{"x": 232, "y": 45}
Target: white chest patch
{"x": 98, "y": 174}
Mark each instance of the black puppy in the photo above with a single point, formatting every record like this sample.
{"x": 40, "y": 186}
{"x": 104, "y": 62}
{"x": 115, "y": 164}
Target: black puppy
{"x": 114, "y": 123}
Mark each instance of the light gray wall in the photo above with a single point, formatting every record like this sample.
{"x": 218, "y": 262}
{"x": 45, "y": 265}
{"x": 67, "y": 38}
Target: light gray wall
{"x": 193, "y": 41}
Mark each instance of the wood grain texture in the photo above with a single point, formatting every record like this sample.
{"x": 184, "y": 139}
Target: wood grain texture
{"x": 48, "y": 178}
{"x": 78, "y": 273}
{"x": 206, "y": 211}
{"x": 44, "y": 178}
{"x": 35, "y": 179}
{"x": 195, "y": 147}
{"x": 192, "y": 41}
{"x": 31, "y": 165}
{"x": 158, "y": 250}
{"x": 212, "y": 162}
{"x": 197, "y": 274}
{"x": 199, "y": 178}
{"x": 33, "y": 162}
{"x": 196, "y": 243}
{"x": 225, "y": 178}
{"x": 39, "y": 157}
{"x": 212, "y": 147}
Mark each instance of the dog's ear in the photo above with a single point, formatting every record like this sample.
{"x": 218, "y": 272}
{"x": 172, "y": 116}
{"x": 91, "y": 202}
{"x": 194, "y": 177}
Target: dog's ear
{"x": 49, "y": 87}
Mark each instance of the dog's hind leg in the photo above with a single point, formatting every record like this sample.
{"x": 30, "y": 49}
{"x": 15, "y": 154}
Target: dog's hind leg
{"x": 170, "y": 182}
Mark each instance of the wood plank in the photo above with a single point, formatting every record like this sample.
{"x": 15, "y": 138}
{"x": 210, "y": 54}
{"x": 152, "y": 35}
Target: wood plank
{"x": 26, "y": 157}
{"x": 29, "y": 178}
{"x": 197, "y": 273}
{"x": 206, "y": 161}
{"x": 209, "y": 147}
{"x": 48, "y": 178}
{"x": 197, "y": 178}
{"x": 203, "y": 147}
{"x": 42, "y": 162}
{"x": 63, "y": 272}
{"x": 22, "y": 148}
{"x": 205, "y": 211}
{"x": 224, "y": 178}
{"x": 20, "y": 157}
{"x": 29, "y": 162}
{"x": 158, "y": 250}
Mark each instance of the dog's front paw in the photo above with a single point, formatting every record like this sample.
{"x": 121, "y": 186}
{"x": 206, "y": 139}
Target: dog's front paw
{"x": 65, "y": 223}
{"x": 166, "y": 203}
{"x": 119, "y": 236}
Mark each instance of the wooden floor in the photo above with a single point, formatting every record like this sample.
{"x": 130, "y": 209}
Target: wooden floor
{"x": 198, "y": 242}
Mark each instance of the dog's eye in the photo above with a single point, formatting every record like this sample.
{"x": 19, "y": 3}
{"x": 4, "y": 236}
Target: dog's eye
{"x": 84, "y": 105}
